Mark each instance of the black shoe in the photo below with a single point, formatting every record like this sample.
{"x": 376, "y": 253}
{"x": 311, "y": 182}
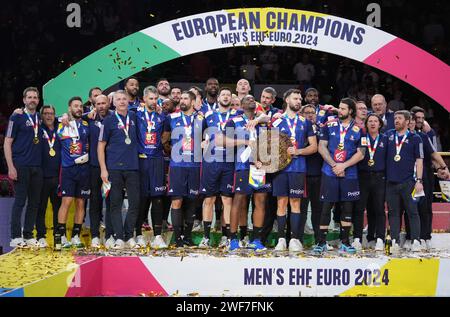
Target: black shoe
{"x": 179, "y": 243}
{"x": 188, "y": 242}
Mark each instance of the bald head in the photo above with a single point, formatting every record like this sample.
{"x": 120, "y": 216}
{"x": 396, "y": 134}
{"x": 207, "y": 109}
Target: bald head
{"x": 102, "y": 105}
{"x": 243, "y": 87}
{"x": 379, "y": 104}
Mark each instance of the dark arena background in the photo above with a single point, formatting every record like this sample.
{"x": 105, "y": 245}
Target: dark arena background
{"x": 330, "y": 73}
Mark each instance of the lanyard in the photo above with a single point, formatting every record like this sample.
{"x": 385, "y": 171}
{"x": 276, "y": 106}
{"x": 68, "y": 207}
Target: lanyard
{"x": 123, "y": 127}
{"x": 206, "y": 103}
{"x": 150, "y": 121}
{"x": 222, "y": 123}
{"x": 187, "y": 127}
{"x": 398, "y": 146}
{"x": 51, "y": 142}
{"x": 343, "y": 132}
{"x": 292, "y": 127}
{"x": 77, "y": 133}
{"x": 373, "y": 148}
{"x": 35, "y": 125}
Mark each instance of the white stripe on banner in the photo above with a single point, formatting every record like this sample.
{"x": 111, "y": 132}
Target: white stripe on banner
{"x": 294, "y": 28}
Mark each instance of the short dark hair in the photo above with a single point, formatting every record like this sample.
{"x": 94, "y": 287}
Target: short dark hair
{"x": 48, "y": 107}
{"x": 92, "y": 90}
{"x": 128, "y": 79}
{"x": 175, "y": 87}
{"x": 160, "y": 80}
{"x": 351, "y": 103}
{"x": 190, "y": 94}
{"x": 373, "y": 114}
{"x": 290, "y": 92}
{"x": 270, "y": 90}
{"x": 308, "y": 106}
{"x": 311, "y": 89}
{"x": 417, "y": 109}
{"x": 28, "y": 89}
{"x": 211, "y": 78}
{"x": 75, "y": 99}
{"x": 405, "y": 113}
{"x": 225, "y": 88}
{"x": 199, "y": 90}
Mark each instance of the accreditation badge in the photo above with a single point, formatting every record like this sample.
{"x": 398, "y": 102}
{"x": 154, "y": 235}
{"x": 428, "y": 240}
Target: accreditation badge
{"x": 340, "y": 156}
{"x": 187, "y": 145}
{"x": 76, "y": 148}
{"x": 256, "y": 177}
{"x": 150, "y": 138}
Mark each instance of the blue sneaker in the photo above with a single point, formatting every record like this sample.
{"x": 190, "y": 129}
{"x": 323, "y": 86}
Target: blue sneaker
{"x": 234, "y": 245}
{"x": 320, "y": 249}
{"x": 347, "y": 249}
{"x": 256, "y": 245}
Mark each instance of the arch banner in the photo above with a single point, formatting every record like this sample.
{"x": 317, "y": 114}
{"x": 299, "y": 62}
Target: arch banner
{"x": 252, "y": 27}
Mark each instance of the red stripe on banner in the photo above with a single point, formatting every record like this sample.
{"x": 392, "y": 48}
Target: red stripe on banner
{"x": 414, "y": 66}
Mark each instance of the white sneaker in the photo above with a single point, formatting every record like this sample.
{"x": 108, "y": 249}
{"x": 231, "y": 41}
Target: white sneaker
{"x": 77, "y": 242}
{"x": 119, "y": 244}
{"x": 109, "y": 244}
{"x": 416, "y": 246}
{"x": 429, "y": 244}
{"x": 197, "y": 226}
{"x": 407, "y": 245}
{"x": 309, "y": 230}
{"x": 395, "y": 248}
{"x": 379, "y": 246}
{"x": 204, "y": 244}
{"x": 43, "y": 243}
{"x": 65, "y": 244}
{"x": 32, "y": 243}
{"x": 223, "y": 242}
{"x": 281, "y": 245}
{"x": 370, "y": 244}
{"x": 18, "y": 243}
{"x": 357, "y": 244}
{"x": 295, "y": 245}
{"x": 243, "y": 243}
{"x": 131, "y": 243}
{"x": 141, "y": 242}
{"x": 158, "y": 243}
{"x": 330, "y": 247}
{"x": 423, "y": 244}
{"x": 95, "y": 243}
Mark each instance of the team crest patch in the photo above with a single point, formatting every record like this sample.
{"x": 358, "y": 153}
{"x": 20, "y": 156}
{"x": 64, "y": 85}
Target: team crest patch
{"x": 356, "y": 129}
{"x": 321, "y": 113}
{"x": 364, "y": 141}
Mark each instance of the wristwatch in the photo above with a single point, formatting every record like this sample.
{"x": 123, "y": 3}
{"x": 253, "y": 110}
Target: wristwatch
{"x": 419, "y": 180}
{"x": 442, "y": 168}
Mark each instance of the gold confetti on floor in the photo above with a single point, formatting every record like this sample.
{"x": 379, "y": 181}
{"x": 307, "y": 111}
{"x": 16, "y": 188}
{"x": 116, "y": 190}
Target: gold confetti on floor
{"x": 21, "y": 267}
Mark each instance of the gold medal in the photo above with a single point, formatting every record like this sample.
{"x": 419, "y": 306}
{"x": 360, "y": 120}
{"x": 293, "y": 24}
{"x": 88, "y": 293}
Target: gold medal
{"x": 36, "y": 140}
{"x": 341, "y": 146}
{"x": 52, "y": 152}
{"x": 397, "y": 158}
{"x": 371, "y": 163}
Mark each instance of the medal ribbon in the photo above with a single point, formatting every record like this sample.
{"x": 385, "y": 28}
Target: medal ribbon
{"x": 222, "y": 123}
{"x": 150, "y": 121}
{"x": 343, "y": 132}
{"x": 292, "y": 127}
{"x": 373, "y": 148}
{"x": 187, "y": 127}
{"x": 35, "y": 125}
{"x": 398, "y": 146}
{"x": 51, "y": 142}
{"x": 123, "y": 127}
